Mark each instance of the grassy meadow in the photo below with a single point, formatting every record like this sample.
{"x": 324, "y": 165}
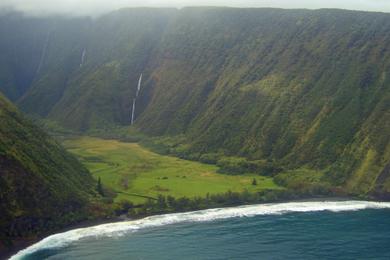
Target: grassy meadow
{"x": 136, "y": 173}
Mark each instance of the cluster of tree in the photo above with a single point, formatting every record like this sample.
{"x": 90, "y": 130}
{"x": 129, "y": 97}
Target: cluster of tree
{"x": 169, "y": 204}
{"x": 233, "y": 165}
{"x": 240, "y": 165}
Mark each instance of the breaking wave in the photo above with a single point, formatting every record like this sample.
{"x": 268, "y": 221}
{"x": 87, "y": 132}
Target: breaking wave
{"x": 121, "y": 228}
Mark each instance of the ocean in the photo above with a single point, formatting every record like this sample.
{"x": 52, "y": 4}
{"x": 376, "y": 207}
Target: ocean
{"x": 294, "y": 230}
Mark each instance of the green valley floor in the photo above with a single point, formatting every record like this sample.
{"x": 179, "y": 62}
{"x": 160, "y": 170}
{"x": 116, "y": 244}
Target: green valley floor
{"x": 136, "y": 173}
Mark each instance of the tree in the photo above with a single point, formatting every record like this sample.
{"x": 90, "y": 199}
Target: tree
{"x": 254, "y": 182}
{"x": 171, "y": 201}
{"x": 123, "y": 207}
{"x": 161, "y": 202}
{"x": 99, "y": 187}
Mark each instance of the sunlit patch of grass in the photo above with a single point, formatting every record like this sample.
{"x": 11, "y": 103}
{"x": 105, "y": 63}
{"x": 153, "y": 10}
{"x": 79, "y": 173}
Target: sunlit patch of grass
{"x": 132, "y": 169}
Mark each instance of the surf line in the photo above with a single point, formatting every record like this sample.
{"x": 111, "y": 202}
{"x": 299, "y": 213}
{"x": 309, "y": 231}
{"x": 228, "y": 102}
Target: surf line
{"x": 122, "y": 228}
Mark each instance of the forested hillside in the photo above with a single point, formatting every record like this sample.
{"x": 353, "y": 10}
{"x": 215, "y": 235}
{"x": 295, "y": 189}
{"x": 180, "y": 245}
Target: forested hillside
{"x": 42, "y": 187}
{"x": 301, "y": 88}
{"x": 293, "y": 88}
{"x": 77, "y": 70}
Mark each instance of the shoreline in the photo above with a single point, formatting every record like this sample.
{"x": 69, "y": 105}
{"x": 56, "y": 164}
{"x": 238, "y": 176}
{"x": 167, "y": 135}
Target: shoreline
{"x": 24, "y": 243}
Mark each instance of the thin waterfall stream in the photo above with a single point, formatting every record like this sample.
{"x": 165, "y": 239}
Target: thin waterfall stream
{"x": 83, "y": 57}
{"x": 135, "y": 99}
{"x": 43, "y": 53}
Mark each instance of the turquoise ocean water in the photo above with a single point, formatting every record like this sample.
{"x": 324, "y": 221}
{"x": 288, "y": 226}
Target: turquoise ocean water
{"x": 299, "y": 230}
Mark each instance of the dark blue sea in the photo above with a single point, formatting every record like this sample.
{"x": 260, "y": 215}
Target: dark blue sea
{"x": 298, "y": 230}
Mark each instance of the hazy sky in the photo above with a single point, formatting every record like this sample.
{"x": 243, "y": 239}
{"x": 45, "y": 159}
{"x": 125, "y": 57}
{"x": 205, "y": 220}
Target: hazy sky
{"x": 100, "y": 6}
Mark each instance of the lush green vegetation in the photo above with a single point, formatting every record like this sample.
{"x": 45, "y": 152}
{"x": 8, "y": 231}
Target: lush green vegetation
{"x": 143, "y": 182}
{"x": 232, "y": 165}
{"x": 42, "y": 187}
{"x": 297, "y": 95}
{"x": 265, "y": 88}
{"x": 290, "y": 89}
{"x": 169, "y": 204}
{"x": 137, "y": 174}
{"x": 247, "y": 100}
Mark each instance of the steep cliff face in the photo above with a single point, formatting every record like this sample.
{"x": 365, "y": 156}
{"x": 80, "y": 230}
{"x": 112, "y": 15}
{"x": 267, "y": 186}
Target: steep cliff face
{"x": 41, "y": 185}
{"x": 300, "y": 87}
{"x": 303, "y": 88}
{"x": 78, "y": 71}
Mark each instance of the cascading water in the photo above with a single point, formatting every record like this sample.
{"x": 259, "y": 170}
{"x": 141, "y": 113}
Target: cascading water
{"x": 43, "y": 54}
{"x": 135, "y": 99}
{"x": 83, "y": 57}
{"x": 133, "y": 111}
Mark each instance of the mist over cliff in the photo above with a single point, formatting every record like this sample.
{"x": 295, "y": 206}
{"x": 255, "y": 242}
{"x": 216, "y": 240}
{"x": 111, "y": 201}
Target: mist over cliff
{"x": 297, "y": 88}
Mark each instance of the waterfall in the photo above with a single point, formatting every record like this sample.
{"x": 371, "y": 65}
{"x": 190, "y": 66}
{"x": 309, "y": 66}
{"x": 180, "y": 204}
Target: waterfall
{"x": 139, "y": 85}
{"x": 135, "y": 99}
{"x": 133, "y": 111}
{"x": 83, "y": 57}
{"x": 43, "y": 54}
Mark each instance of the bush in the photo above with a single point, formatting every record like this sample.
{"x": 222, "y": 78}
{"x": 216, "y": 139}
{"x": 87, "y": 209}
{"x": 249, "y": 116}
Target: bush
{"x": 123, "y": 207}
{"x": 233, "y": 165}
{"x": 210, "y": 158}
{"x": 239, "y": 165}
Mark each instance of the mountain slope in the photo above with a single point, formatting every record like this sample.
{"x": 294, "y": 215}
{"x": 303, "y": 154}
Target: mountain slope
{"x": 304, "y": 88}
{"x": 41, "y": 185}
{"x": 296, "y": 88}
{"x": 81, "y": 70}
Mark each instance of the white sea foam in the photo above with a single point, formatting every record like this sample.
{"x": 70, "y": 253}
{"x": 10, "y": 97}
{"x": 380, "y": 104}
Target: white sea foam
{"x": 122, "y": 228}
